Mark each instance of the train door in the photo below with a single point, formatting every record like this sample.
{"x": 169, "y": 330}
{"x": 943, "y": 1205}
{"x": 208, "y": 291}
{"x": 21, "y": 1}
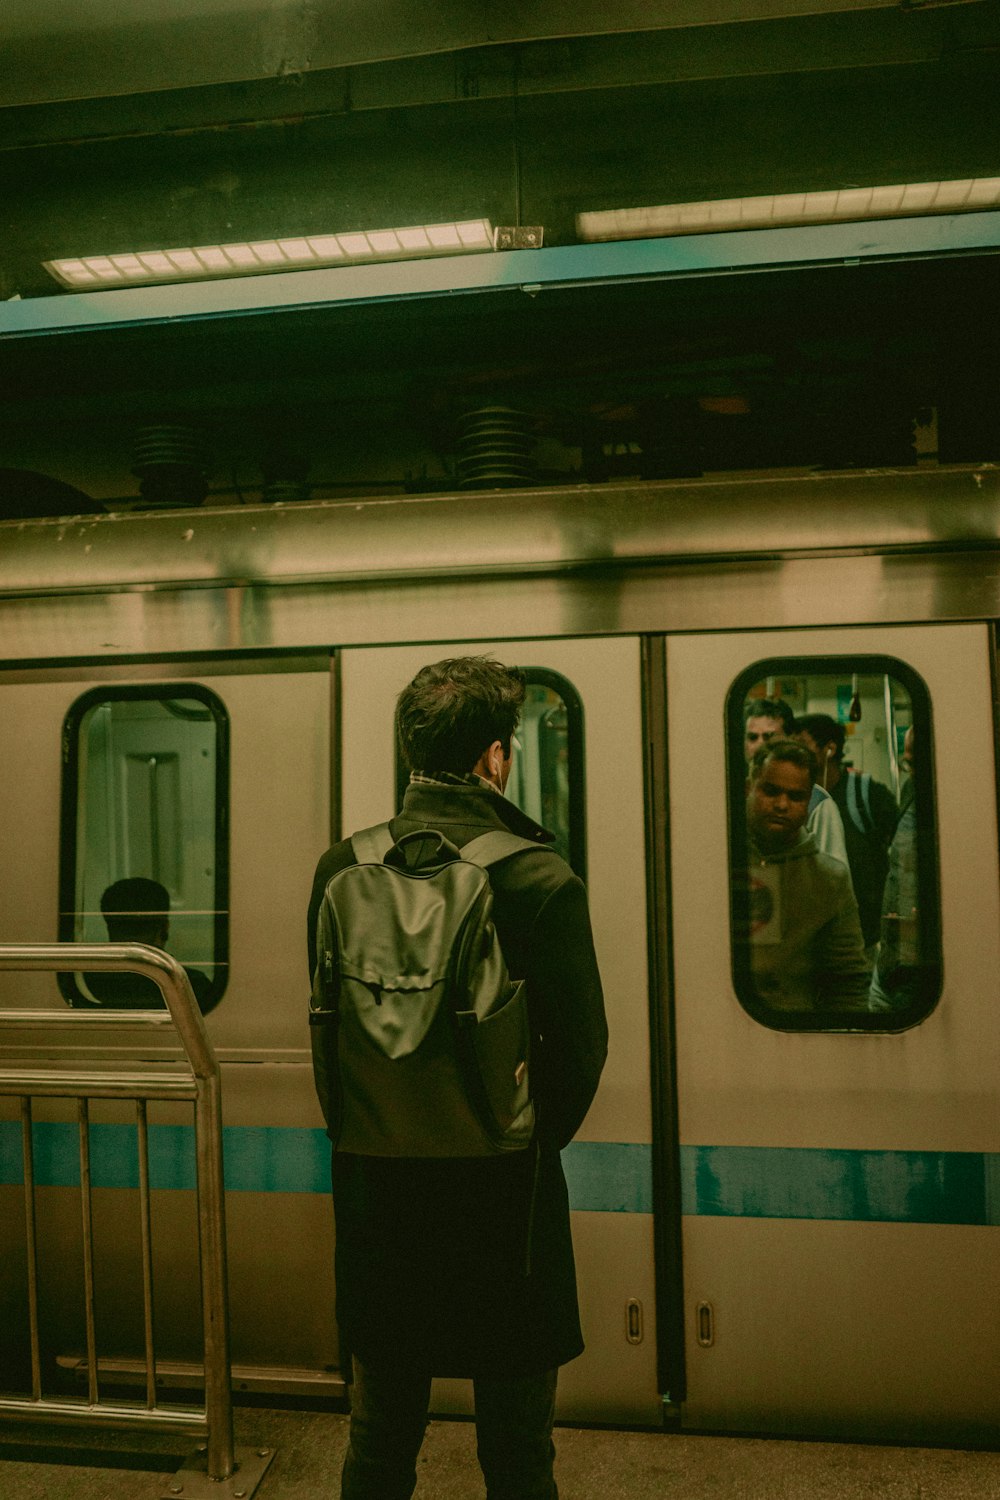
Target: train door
{"x": 579, "y": 771}
{"x": 213, "y": 781}
{"x": 838, "y": 1137}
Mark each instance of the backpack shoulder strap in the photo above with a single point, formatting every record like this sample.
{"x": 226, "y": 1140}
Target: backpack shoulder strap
{"x": 371, "y": 845}
{"x": 490, "y": 848}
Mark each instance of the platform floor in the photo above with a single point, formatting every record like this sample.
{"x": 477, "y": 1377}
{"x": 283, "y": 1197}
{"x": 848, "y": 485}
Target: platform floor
{"x": 592, "y": 1464}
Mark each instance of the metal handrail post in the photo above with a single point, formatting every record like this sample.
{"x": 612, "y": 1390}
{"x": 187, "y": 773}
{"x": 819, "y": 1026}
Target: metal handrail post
{"x": 174, "y": 985}
{"x": 214, "y": 1277}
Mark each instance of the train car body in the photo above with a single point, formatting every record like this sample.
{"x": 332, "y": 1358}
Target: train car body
{"x": 779, "y": 1228}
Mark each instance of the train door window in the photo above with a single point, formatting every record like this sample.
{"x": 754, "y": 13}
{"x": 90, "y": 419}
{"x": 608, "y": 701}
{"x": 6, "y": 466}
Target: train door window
{"x": 834, "y": 891}
{"x": 546, "y": 776}
{"x": 547, "y": 772}
{"x": 144, "y": 850}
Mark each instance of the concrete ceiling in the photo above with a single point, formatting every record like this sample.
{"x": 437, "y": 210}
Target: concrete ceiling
{"x": 59, "y": 50}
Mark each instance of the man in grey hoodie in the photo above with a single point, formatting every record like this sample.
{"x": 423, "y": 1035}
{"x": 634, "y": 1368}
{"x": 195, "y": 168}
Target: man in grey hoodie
{"x": 806, "y": 948}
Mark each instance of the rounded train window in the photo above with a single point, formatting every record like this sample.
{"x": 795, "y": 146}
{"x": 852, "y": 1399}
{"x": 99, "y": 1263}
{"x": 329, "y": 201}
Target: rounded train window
{"x": 834, "y": 874}
{"x": 144, "y": 849}
{"x": 546, "y": 778}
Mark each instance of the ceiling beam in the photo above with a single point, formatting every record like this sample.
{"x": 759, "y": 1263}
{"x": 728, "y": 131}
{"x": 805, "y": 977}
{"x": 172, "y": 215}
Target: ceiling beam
{"x": 54, "y": 50}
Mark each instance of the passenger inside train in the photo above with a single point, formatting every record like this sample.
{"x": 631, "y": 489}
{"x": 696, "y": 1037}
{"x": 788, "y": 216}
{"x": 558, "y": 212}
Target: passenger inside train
{"x": 806, "y": 947}
{"x": 897, "y": 976}
{"x": 857, "y": 729}
{"x": 868, "y": 816}
{"x": 765, "y": 719}
{"x": 137, "y": 910}
{"x": 771, "y": 718}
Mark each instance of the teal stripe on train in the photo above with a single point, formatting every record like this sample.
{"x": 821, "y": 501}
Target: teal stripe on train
{"x": 923, "y": 1187}
{"x": 610, "y": 1177}
{"x": 258, "y": 1158}
{"x": 901, "y": 1187}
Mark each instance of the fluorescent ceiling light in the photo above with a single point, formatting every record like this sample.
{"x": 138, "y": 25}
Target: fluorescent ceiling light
{"x": 155, "y": 264}
{"x": 773, "y": 211}
{"x": 325, "y": 247}
{"x": 202, "y": 262}
{"x": 296, "y": 250}
{"x": 213, "y": 258}
{"x": 186, "y": 261}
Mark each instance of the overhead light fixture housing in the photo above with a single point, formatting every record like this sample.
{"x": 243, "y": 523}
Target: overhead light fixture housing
{"x": 781, "y": 210}
{"x": 250, "y": 257}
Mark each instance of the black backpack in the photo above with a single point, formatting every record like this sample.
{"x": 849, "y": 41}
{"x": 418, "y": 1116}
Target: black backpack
{"x": 420, "y": 1037}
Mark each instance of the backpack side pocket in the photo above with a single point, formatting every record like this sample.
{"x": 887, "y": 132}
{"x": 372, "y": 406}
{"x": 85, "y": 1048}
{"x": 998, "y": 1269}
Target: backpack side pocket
{"x": 324, "y": 1018}
{"x": 497, "y": 1048}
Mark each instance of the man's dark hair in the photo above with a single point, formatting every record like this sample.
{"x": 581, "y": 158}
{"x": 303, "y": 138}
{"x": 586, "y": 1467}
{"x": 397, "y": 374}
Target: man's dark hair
{"x": 823, "y": 729}
{"x": 769, "y": 708}
{"x": 790, "y": 750}
{"x": 135, "y": 908}
{"x": 453, "y": 710}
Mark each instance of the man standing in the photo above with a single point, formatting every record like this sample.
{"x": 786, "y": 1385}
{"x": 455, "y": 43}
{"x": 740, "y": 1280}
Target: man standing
{"x": 868, "y": 813}
{"x": 137, "y": 910}
{"x": 806, "y": 951}
{"x": 899, "y": 974}
{"x": 767, "y": 719}
{"x": 463, "y": 1267}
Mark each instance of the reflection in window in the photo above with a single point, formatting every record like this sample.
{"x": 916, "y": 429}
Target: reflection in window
{"x": 143, "y": 848}
{"x": 835, "y": 908}
{"x": 546, "y": 778}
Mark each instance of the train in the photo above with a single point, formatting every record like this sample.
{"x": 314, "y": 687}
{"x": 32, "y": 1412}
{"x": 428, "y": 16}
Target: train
{"x": 779, "y": 1227}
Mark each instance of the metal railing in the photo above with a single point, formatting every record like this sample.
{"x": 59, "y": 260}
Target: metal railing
{"x": 203, "y": 1089}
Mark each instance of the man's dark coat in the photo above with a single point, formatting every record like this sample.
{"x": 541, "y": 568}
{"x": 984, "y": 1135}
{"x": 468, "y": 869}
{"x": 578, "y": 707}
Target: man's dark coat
{"x": 462, "y": 1266}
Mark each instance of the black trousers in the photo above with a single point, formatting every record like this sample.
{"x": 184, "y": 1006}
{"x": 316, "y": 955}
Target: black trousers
{"x": 389, "y": 1416}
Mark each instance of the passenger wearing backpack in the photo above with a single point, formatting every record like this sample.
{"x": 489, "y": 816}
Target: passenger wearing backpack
{"x": 869, "y": 814}
{"x": 458, "y": 1034}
